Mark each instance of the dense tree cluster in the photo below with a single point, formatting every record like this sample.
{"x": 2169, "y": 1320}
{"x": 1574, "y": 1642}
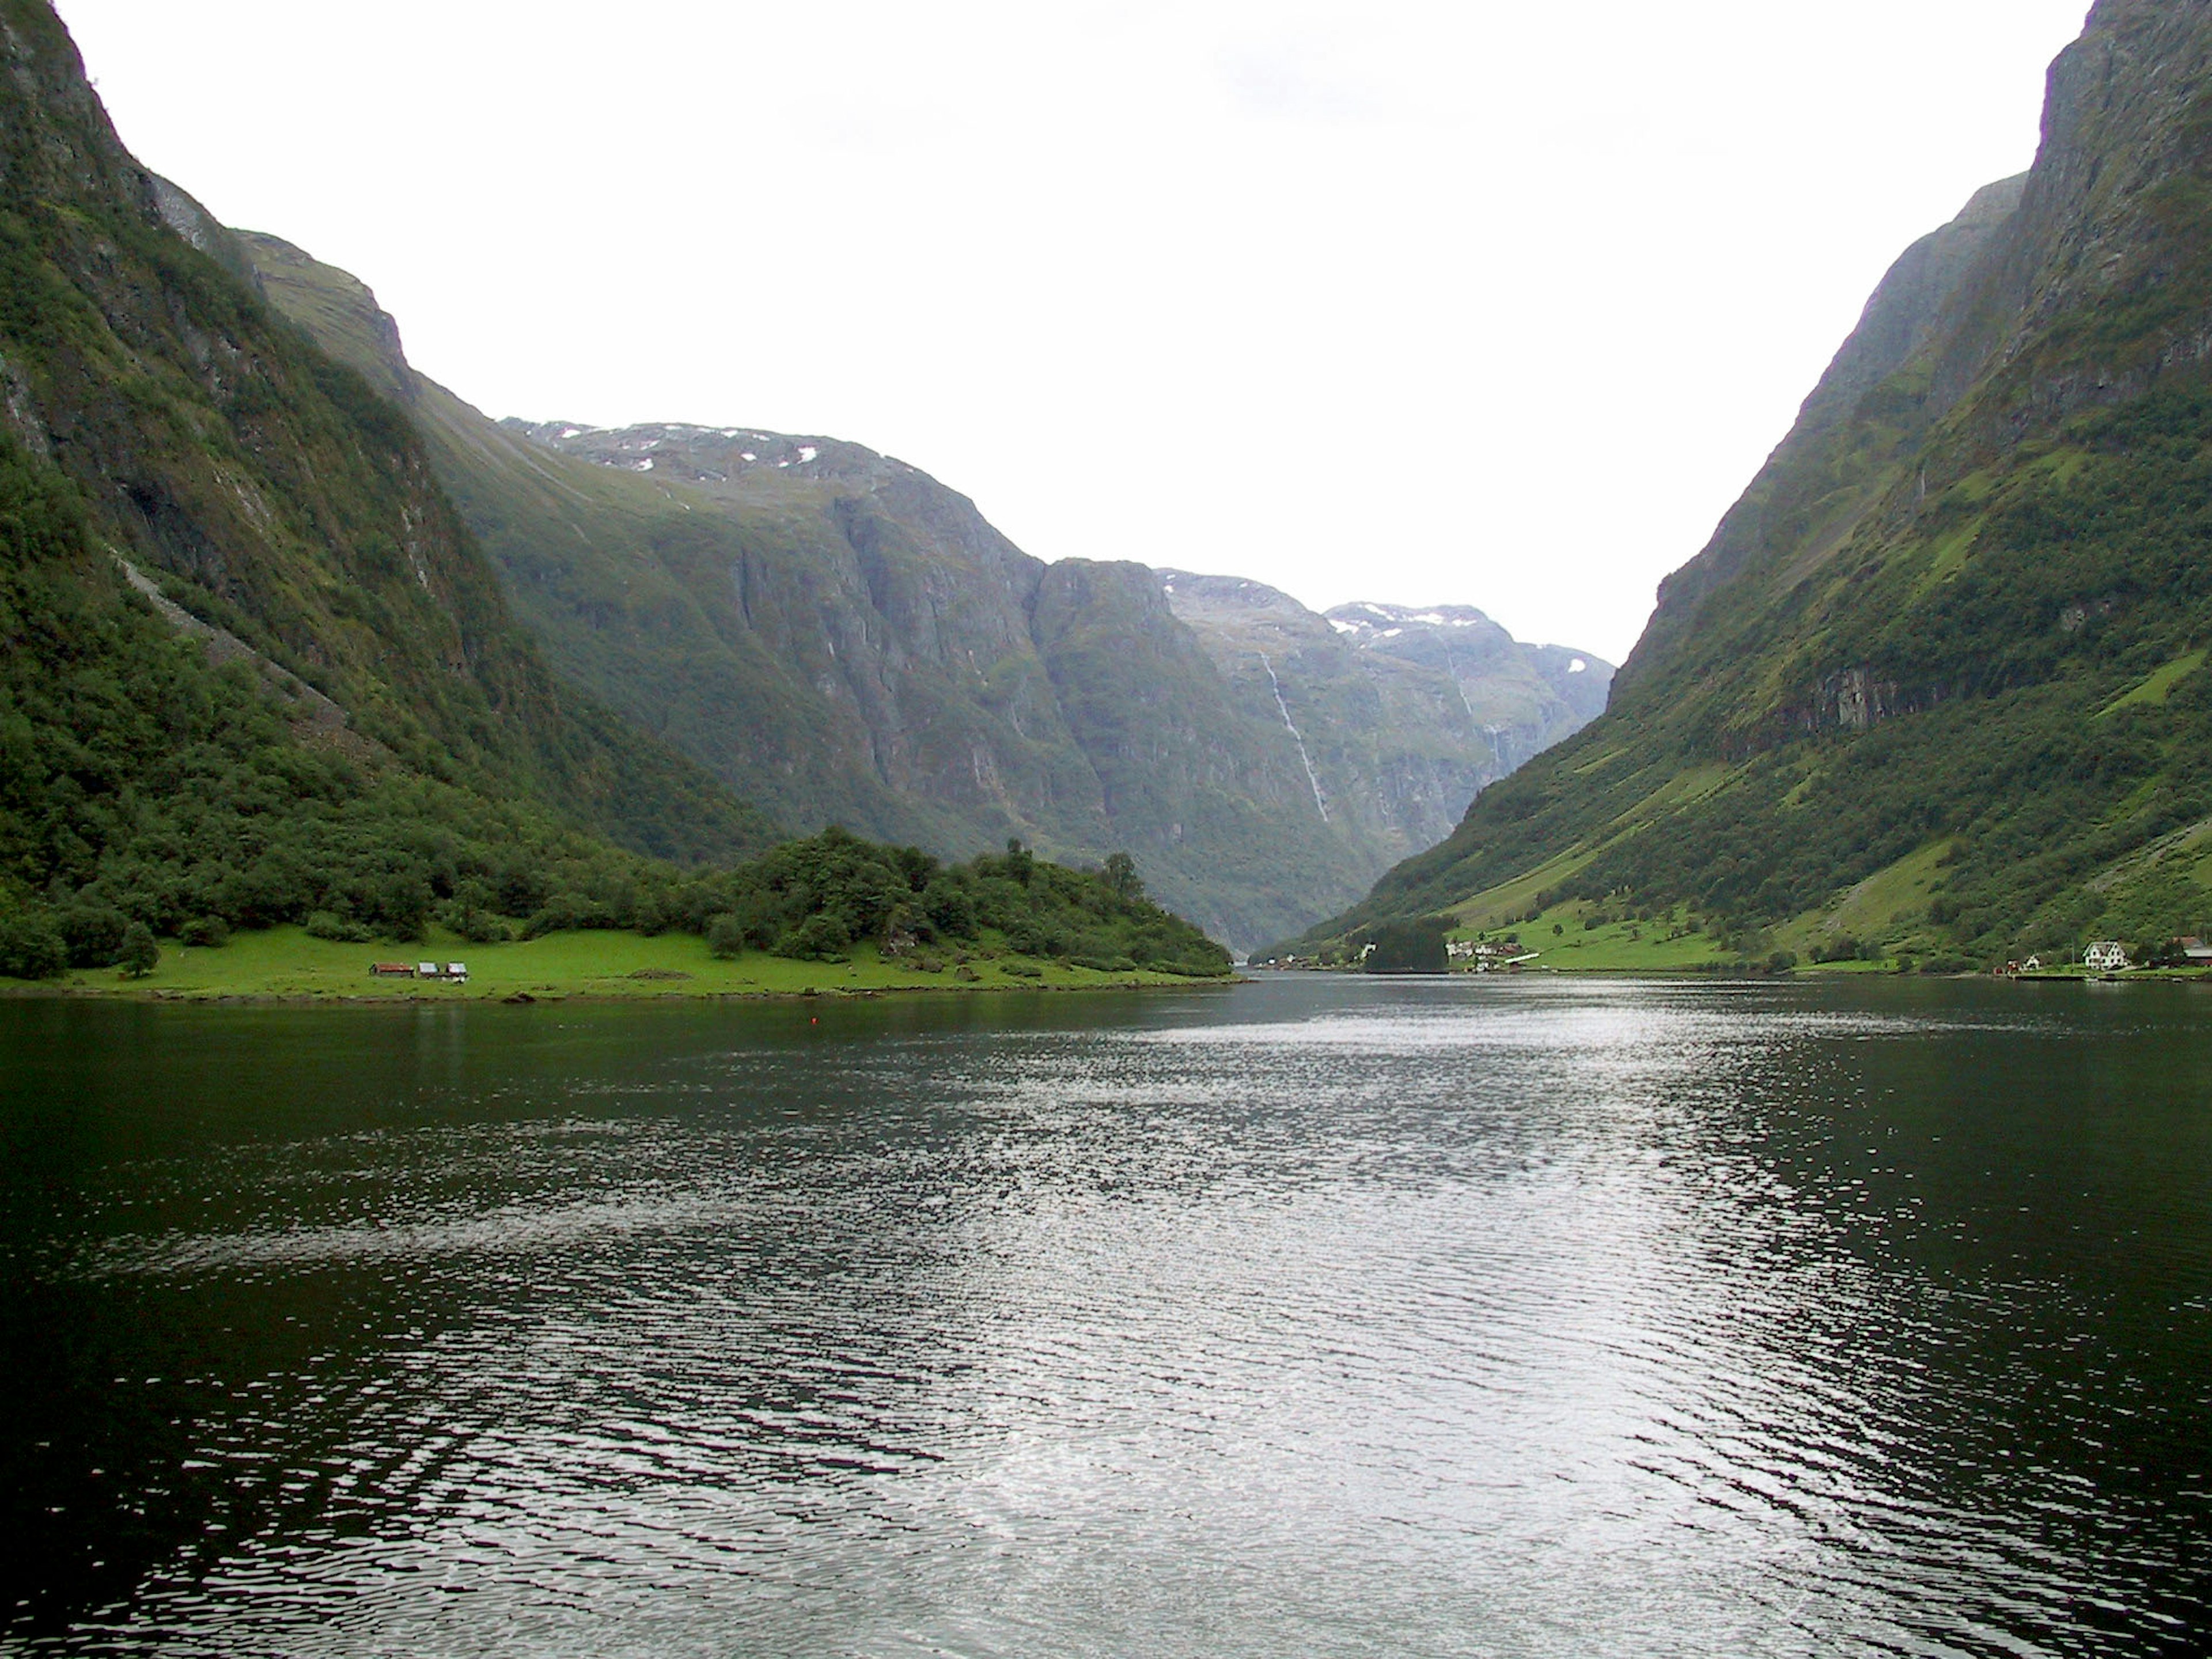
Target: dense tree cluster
{"x": 814, "y": 899}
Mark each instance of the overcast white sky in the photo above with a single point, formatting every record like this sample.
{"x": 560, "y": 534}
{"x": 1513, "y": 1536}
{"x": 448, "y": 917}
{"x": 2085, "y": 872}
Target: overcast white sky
{"x": 1491, "y": 304}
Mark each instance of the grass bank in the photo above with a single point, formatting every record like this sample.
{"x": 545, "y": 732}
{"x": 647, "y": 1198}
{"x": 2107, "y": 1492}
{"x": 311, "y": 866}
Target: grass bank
{"x": 284, "y": 964}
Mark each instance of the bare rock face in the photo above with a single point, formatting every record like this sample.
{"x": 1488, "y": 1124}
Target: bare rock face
{"x": 1400, "y": 716}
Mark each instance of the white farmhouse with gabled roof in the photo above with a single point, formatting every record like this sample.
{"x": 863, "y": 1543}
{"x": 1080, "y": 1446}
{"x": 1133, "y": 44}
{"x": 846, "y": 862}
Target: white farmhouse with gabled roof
{"x": 2106, "y": 955}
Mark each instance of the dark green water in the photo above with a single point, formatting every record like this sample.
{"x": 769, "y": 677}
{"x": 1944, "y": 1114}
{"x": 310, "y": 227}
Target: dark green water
{"x": 1312, "y": 1317}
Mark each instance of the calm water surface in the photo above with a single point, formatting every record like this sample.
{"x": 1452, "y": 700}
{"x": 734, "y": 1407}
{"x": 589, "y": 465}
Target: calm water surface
{"x": 1311, "y": 1317}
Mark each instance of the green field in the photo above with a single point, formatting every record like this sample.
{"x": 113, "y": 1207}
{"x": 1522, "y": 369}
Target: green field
{"x": 284, "y": 963}
{"x": 1612, "y": 947}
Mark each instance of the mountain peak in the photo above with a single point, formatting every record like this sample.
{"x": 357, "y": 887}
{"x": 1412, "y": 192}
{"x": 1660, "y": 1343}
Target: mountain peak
{"x": 709, "y": 456}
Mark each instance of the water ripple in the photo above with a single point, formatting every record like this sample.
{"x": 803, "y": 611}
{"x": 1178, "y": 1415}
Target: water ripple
{"x": 1616, "y": 1321}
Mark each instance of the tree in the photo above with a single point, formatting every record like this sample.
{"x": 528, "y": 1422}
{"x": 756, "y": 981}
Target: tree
{"x": 1414, "y": 947}
{"x": 140, "y": 956}
{"x": 1120, "y": 874}
{"x": 30, "y": 947}
{"x": 726, "y": 936}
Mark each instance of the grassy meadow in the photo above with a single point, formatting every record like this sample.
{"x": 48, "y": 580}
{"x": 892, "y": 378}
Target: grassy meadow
{"x": 284, "y": 963}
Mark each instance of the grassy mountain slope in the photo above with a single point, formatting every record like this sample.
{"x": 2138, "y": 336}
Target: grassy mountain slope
{"x": 268, "y": 491}
{"x": 253, "y": 669}
{"x": 843, "y": 639}
{"x": 1936, "y": 686}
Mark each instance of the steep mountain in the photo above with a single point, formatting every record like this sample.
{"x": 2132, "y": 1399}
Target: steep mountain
{"x": 255, "y": 666}
{"x": 843, "y": 639}
{"x": 1936, "y": 687}
{"x": 266, "y": 489}
{"x": 1399, "y": 716}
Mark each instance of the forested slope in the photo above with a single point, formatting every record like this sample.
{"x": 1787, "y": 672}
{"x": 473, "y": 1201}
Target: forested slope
{"x": 326, "y": 707}
{"x": 267, "y": 489}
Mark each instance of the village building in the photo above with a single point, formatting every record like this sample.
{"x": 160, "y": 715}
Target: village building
{"x": 2106, "y": 955}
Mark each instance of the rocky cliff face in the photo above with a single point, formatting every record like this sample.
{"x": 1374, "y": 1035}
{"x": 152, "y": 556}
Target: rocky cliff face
{"x": 1398, "y": 715}
{"x": 844, "y": 639}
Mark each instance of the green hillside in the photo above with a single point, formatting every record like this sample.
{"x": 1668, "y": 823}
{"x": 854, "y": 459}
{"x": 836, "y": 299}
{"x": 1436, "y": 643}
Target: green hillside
{"x": 270, "y": 492}
{"x": 256, "y": 670}
{"x": 148, "y": 786}
{"x": 1936, "y": 687}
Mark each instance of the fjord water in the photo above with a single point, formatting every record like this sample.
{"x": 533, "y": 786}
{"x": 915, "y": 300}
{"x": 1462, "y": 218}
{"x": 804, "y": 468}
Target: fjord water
{"x": 1309, "y": 1317}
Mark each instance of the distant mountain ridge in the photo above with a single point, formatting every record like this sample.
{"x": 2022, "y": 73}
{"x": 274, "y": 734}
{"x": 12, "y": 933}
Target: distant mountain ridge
{"x": 841, "y": 638}
{"x": 1937, "y": 690}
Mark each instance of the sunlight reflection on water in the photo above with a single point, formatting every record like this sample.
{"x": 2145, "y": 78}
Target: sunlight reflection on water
{"x": 1541, "y": 1320}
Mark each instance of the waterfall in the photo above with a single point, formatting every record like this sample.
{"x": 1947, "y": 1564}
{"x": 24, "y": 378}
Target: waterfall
{"x": 1312, "y": 777}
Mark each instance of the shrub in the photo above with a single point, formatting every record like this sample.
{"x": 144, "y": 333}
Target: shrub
{"x": 949, "y": 907}
{"x": 569, "y": 912}
{"x": 477, "y": 926}
{"x": 140, "y": 956}
{"x": 726, "y": 936}
{"x": 92, "y": 933}
{"x": 339, "y": 930}
{"x": 31, "y": 946}
{"x": 1020, "y": 969}
{"x": 821, "y": 937}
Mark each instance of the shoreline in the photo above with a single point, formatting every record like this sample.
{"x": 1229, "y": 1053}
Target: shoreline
{"x": 284, "y": 967}
{"x": 33, "y": 991}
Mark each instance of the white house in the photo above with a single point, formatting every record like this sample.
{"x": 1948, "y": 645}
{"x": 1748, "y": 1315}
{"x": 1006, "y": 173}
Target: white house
{"x": 2106, "y": 955}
